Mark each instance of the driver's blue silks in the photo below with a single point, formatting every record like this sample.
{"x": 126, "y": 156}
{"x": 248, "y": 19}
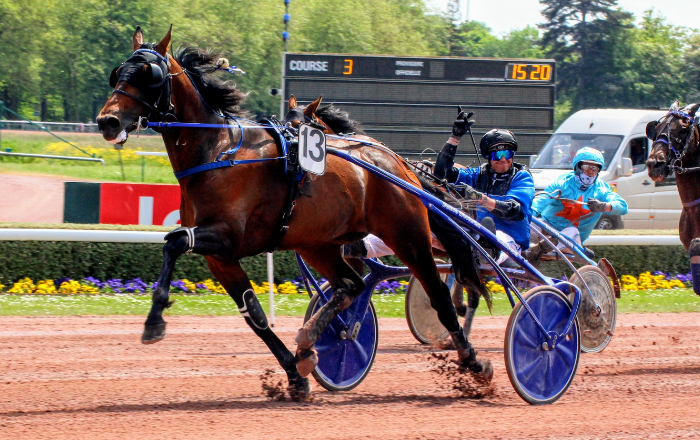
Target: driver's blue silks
{"x": 563, "y": 214}
{"x": 521, "y": 189}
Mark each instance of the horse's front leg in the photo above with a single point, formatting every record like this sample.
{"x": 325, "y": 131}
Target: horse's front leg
{"x": 179, "y": 241}
{"x": 237, "y": 284}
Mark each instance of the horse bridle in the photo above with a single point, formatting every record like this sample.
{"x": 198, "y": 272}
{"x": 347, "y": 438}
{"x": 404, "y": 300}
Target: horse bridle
{"x": 664, "y": 137}
{"x": 160, "y": 81}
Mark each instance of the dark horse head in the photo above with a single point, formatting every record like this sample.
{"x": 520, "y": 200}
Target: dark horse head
{"x": 675, "y": 141}
{"x": 334, "y": 120}
{"x": 150, "y": 83}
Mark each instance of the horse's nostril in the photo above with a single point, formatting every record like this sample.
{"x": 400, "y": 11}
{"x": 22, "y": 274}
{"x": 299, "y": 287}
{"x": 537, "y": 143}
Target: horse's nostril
{"x": 113, "y": 122}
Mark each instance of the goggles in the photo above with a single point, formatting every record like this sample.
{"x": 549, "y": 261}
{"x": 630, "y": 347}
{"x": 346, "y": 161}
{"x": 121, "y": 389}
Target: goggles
{"x": 588, "y": 167}
{"x": 503, "y": 154}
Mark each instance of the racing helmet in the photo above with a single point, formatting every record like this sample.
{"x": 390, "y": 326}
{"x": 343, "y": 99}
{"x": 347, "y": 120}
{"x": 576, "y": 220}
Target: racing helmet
{"x": 588, "y": 154}
{"x": 497, "y": 140}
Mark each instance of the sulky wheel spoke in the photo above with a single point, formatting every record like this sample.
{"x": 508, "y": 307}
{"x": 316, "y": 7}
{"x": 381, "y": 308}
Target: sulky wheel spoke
{"x": 525, "y": 372}
{"x": 531, "y": 339}
{"x": 364, "y": 356}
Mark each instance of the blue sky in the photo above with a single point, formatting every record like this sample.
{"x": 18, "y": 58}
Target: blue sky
{"x": 505, "y": 15}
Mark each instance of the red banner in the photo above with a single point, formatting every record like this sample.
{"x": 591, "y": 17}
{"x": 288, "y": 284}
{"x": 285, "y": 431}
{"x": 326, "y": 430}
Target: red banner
{"x": 140, "y": 204}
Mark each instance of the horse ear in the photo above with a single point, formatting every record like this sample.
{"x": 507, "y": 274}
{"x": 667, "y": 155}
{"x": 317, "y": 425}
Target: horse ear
{"x": 164, "y": 45}
{"x": 675, "y": 106}
{"x": 310, "y": 110}
{"x": 651, "y": 129}
{"x": 292, "y": 102}
{"x": 137, "y": 38}
{"x": 692, "y": 109}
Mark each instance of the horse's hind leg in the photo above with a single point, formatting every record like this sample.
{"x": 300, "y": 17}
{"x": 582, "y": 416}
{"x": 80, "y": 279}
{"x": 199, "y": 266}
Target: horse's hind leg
{"x": 347, "y": 285}
{"x": 417, "y": 255}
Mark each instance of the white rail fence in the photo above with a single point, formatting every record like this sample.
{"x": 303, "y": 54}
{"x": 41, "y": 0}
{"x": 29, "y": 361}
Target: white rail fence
{"x": 158, "y": 237}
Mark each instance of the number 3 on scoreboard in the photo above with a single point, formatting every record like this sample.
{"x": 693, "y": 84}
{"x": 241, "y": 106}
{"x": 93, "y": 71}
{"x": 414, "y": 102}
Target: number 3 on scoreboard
{"x": 348, "y": 67}
{"x": 312, "y": 150}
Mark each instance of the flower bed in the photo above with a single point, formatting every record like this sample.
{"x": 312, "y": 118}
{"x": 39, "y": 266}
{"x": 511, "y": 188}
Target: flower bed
{"x": 90, "y": 285}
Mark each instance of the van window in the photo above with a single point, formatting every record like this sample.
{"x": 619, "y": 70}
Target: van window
{"x": 560, "y": 149}
{"x": 637, "y": 150}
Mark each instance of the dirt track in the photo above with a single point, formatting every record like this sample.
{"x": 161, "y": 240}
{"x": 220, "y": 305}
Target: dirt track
{"x": 31, "y": 198}
{"x": 89, "y": 377}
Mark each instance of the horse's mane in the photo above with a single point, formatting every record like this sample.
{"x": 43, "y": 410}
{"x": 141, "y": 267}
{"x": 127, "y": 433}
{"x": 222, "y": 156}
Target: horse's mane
{"x": 218, "y": 93}
{"x": 338, "y": 120}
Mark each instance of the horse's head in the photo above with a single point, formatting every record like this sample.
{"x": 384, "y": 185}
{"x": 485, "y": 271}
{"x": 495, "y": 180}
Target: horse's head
{"x": 675, "y": 139}
{"x": 298, "y": 115}
{"x": 142, "y": 88}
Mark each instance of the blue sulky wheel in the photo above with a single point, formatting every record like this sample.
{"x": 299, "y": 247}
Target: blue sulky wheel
{"x": 343, "y": 362}
{"x": 539, "y": 375}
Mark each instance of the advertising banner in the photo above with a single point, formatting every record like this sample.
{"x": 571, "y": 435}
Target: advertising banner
{"x": 140, "y": 204}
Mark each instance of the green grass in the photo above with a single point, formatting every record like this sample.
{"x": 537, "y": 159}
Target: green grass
{"x": 387, "y": 306}
{"x": 157, "y": 169}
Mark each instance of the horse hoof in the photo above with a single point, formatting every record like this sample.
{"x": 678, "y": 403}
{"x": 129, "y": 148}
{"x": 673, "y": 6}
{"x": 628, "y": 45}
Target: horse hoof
{"x": 300, "y": 390}
{"x": 153, "y": 333}
{"x": 461, "y": 310}
{"x": 486, "y": 373}
{"x": 307, "y": 361}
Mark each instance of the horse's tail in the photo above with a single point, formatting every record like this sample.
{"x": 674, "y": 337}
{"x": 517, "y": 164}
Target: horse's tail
{"x": 461, "y": 252}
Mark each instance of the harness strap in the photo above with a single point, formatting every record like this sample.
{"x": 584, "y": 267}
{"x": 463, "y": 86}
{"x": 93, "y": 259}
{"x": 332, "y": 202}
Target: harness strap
{"x": 135, "y": 98}
{"x": 691, "y": 204}
{"x": 221, "y": 164}
{"x": 295, "y": 182}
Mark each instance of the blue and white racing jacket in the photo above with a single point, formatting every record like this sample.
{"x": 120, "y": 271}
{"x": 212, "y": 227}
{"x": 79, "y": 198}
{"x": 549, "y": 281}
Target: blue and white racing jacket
{"x": 516, "y": 185}
{"x": 562, "y": 214}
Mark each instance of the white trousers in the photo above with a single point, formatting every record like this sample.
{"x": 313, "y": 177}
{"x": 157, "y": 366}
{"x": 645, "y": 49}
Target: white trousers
{"x": 377, "y": 248}
{"x": 571, "y": 232}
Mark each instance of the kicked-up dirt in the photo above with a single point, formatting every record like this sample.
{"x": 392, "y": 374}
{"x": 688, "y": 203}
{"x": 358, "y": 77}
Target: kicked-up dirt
{"x": 90, "y": 377}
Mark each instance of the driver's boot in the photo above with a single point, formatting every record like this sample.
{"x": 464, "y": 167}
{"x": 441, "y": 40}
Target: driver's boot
{"x": 533, "y": 254}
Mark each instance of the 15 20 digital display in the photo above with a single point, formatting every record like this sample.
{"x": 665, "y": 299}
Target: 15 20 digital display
{"x": 528, "y": 72}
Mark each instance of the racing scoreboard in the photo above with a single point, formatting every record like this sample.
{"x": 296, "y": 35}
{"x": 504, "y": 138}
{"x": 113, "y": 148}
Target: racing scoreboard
{"x": 409, "y": 103}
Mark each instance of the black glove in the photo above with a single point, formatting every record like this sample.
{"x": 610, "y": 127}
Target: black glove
{"x": 425, "y": 166}
{"x": 459, "y": 128}
{"x": 462, "y": 125}
{"x": 596, "y": 205}
{"x": 470, "y": 193}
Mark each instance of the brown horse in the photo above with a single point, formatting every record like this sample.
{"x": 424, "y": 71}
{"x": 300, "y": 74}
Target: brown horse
{"x": 676, "y": 148}
{"x": 234, "y": 212}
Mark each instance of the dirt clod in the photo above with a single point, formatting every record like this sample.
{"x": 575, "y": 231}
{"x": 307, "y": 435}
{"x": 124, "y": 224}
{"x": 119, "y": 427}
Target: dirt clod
{"x": 457, "y": 379}
{"x": 272, "y": 388}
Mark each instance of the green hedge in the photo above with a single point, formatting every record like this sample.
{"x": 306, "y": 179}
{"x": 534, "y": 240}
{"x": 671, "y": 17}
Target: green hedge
{"x": 51, "y": 260}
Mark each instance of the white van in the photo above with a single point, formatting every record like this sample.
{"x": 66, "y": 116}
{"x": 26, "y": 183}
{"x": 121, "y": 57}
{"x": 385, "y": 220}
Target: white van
{"x": 620, "y": 135}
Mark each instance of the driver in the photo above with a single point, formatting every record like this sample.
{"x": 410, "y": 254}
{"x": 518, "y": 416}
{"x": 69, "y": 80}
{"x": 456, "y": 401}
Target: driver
{"x": 573, "y": 203}
{"x": 503, "y": 190}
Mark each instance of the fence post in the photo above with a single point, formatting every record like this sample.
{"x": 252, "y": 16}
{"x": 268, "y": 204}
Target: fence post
{"x": 270, "y": 282}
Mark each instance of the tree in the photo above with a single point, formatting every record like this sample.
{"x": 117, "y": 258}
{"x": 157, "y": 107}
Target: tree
{"x": 580, "y": 35}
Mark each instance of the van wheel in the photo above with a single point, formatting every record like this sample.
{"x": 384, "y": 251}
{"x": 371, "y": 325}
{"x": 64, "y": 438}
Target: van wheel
{"x": 604, "y": 223}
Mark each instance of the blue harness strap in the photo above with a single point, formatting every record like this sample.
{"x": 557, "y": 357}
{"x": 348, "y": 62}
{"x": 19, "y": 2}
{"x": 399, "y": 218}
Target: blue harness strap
{"x": 218, "y": 164}
{"x": 274, "y": 129}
